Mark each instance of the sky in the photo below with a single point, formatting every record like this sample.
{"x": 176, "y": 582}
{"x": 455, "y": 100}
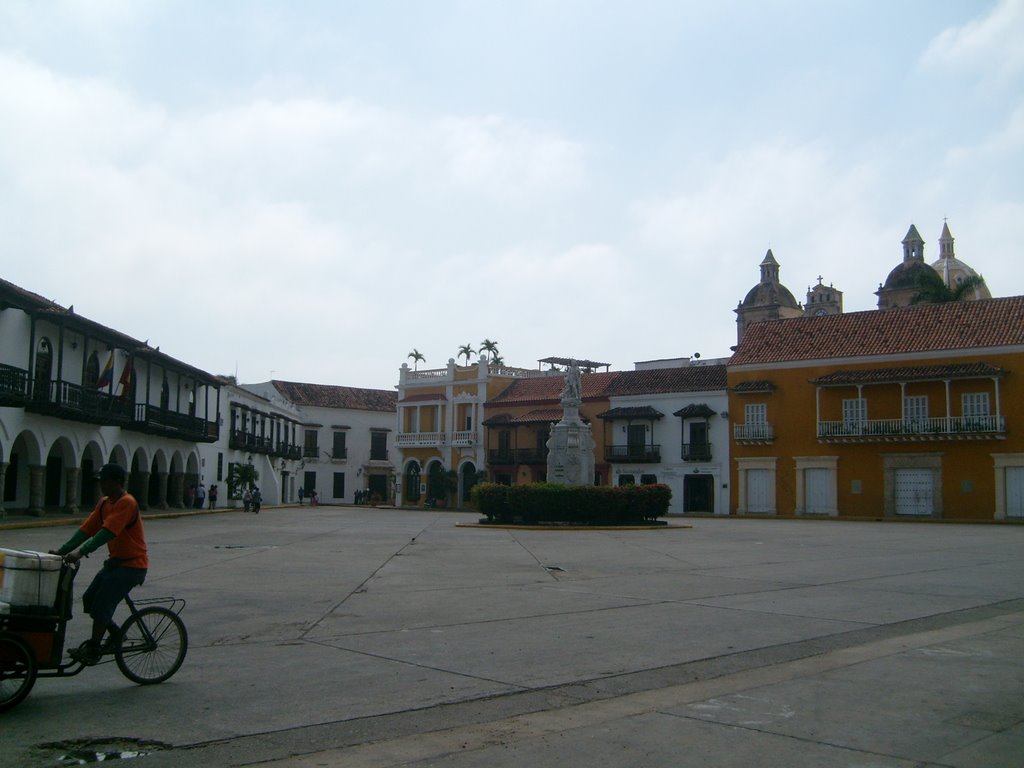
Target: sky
{"x": 310, "y": 190}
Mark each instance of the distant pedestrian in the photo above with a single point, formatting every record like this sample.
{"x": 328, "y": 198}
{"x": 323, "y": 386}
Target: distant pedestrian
{"x": 200, "y": 496}
{"x": 213, "y": 496}
{"x": 313, "y": 498}
{"x": 247, "y": 499}
{"x": 190, "y": 496}
{"x": 302, "y": 493}
{"x": 257, "y": 499}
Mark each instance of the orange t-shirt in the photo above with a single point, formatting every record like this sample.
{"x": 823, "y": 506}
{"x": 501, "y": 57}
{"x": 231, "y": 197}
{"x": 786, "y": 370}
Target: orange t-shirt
{"x": 122, "y": 519}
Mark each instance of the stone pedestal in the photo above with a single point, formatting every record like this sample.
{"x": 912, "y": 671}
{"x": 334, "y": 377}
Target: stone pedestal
{"x": 571, "y": 446}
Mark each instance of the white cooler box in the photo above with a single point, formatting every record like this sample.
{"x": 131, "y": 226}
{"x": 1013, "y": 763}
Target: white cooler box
{"x": 28, "y": 578}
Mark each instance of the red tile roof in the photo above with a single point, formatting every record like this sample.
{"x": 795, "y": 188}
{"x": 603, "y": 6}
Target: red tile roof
{"x": 330, "y": 396}
{"x": 548, "y": 389}
{"x": 691, "y": 378}
{"x": 602, "y": 385}
{"x": 954, "y": 326}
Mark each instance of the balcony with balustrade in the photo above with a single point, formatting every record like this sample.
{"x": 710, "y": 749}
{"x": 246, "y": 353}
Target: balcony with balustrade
{"x": 913, "y": 429}
{"x": 421, "y": 439}
{"x": 753, "y": 434}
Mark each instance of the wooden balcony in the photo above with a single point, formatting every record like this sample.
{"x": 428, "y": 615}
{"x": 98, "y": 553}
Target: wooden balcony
{"x": 72, "y": 401}
{"x": 160, "y": 421}
{"x": 13, "y": 386}
{"x": 637, "y": 454}
{"x": 696, "y": 451}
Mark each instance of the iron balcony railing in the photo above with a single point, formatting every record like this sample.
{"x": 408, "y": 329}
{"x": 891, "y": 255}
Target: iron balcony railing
{"x": 635, "y": 453}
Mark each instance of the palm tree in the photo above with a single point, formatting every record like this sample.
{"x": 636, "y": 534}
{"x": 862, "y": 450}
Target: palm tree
{"x": 932, "y": 289}
{"x": 417, "y": 358}
{"x": 498, "y": 361}
{"x": 490, "y": 347}
{"x": 465, "y": 351}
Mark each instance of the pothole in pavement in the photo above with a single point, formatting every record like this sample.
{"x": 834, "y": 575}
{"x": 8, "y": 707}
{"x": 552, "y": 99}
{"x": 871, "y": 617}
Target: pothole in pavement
{"x": 85, "y": 752}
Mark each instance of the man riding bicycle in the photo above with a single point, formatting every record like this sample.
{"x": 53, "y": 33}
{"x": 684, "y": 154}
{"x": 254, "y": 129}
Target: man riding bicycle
{"x": 117, "y": 523}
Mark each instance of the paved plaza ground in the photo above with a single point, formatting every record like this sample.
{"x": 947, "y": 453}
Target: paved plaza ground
{"x": 346, "y": 636}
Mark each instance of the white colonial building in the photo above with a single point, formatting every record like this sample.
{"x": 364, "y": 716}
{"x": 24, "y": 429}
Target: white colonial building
{"x": 667, "y": 422}
{"x": 343, "y": 440}
{"x": 75, "y": 394}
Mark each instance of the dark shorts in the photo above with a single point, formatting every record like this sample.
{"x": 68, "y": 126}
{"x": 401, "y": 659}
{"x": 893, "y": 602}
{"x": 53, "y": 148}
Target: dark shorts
{"x": 108, "y": 589}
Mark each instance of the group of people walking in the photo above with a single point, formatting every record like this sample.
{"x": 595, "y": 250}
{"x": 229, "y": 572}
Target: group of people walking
{"x": 252, "y": 499}
{"x": 196, "y": 497}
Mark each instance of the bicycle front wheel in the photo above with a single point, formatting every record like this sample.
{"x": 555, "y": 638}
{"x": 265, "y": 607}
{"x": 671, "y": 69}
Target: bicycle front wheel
{"x": 153, "y": 646}
{"x": 17, "y": 670}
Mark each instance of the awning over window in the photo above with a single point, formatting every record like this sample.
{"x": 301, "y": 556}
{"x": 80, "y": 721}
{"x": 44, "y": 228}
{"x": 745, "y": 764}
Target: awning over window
{"x": 696, "y": 411}
{"x": 632, "y": 412}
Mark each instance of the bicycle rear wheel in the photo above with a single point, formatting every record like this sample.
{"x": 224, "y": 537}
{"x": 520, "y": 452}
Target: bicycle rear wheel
{"x": 17, "y": 670}
{"x": 153, "y": 646}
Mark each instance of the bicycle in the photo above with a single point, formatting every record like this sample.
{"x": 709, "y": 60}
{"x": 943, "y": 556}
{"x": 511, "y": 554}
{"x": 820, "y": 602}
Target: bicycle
{"x": 150, "y": 647}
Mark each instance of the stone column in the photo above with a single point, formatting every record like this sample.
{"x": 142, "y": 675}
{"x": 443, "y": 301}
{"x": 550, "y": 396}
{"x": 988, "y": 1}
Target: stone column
{"x": 3, "y": 482}
{"x": 142, "y": 485}
{"x": 36, "y": 489}
{"x": 176, "y": 485}
{"x": 161, "y": 493}
{"x": 72, "y": 490}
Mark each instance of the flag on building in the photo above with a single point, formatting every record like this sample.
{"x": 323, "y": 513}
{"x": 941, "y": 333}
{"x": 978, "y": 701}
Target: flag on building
{"x": 107, "y": 377}
{"x": 126, "y": 378}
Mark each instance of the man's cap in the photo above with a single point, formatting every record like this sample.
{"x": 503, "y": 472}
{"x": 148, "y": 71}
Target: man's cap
{"x": 112, "y": 472}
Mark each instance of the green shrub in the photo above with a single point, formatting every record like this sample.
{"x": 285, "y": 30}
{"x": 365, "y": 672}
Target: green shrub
{"x": 584, "y": 505}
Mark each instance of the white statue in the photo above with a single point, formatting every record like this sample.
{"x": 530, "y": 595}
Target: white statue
{"x": 573, "y": 389}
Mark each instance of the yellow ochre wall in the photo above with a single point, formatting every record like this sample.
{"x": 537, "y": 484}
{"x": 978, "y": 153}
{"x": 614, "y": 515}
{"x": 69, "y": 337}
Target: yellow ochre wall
{"x": 968, "y": 474}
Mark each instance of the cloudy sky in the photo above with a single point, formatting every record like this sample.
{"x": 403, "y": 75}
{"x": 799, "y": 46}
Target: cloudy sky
{"x": 310, "y": 190}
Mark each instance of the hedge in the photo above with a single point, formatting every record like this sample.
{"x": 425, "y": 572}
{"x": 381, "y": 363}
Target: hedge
{"x": 579, "y": 504}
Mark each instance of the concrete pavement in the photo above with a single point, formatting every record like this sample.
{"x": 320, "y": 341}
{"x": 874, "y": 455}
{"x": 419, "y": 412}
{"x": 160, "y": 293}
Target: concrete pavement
{"x": 361, "y": 637}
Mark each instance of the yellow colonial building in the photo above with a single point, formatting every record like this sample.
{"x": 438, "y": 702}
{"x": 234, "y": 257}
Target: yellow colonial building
{"x": 912, "y": 412}
{"x": 440, "y": 441}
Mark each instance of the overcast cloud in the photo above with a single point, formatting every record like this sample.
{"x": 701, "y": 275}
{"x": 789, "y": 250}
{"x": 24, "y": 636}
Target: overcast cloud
{"x": 310, "y": 190}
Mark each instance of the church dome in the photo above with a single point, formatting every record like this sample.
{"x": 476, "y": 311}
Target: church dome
{"x": 767, "y": 294}
{"x": 952, "y": 270}
{"x": 905, "y": 275}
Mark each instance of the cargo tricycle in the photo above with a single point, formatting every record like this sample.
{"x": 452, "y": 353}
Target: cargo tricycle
{"x": 151, "y": 645}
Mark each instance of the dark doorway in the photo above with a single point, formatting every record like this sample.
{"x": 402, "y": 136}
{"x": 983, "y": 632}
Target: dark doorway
{"x": 54, "y": 480}
{"x": 377, "y": 485}
{"x": 699, "y": 493}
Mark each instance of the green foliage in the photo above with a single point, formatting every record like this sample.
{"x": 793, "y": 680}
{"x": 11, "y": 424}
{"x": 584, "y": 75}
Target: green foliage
{"x": 932, "y": 289}
{"x": 584, "y": 505}
{"x": 240, "y": 477}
